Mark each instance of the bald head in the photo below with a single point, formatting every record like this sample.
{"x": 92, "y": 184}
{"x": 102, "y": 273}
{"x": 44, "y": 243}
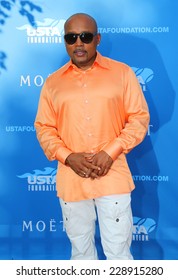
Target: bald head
{"x": 82, "y": 52}
{"x": 81, "y": 17}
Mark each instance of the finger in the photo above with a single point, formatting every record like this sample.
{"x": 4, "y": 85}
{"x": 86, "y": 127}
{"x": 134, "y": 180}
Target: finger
{"x": 89, "y": 159}
{"x": 85, "y": 170}
{"x": 101, "y": 172}
{"x": 83, "y": 174}
{"x": 92, "y": 166}
{"x": 93, "y": 175}
{"x": 89, "y": 156}
{"x": 105, "y": 171}
{"x": 88, "y": 173}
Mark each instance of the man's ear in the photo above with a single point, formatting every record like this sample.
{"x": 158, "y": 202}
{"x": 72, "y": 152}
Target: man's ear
{"x": 98, "y": 38}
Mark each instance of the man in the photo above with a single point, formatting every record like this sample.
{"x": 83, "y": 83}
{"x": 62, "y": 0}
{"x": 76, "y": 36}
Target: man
{"x": 91, "y": 113}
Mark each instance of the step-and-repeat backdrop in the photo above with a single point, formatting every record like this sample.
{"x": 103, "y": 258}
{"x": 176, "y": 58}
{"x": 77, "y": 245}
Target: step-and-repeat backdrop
{"x": 141, "y": 33}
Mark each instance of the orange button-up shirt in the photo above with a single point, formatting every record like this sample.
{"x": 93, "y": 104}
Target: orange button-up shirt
{"x": 102, "y": 108}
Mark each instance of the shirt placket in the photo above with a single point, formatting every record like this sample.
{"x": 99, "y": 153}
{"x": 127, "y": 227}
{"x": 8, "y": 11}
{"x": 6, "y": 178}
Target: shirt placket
{"x": 88, "y": 131}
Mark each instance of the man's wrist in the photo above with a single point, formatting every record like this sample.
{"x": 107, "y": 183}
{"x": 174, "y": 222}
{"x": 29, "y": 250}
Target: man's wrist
{"x": 67, "y": 160}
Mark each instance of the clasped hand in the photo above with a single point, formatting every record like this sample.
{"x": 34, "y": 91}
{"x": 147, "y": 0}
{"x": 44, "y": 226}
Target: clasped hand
{"x": 90, "y": 165}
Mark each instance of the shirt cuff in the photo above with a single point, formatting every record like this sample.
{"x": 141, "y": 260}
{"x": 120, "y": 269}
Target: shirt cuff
{"x": 113, "y": 149}
{"x": 62, "y": 154}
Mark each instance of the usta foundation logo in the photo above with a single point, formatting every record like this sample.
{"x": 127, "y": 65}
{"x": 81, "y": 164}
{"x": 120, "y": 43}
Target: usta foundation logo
{"x": 48, "y": 31}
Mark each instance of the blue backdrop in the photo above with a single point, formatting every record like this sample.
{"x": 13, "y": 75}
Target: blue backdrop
{"x": 141, "y": 33}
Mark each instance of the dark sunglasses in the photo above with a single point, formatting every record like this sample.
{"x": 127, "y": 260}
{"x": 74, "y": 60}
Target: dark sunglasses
{"x": 85, "y": 37}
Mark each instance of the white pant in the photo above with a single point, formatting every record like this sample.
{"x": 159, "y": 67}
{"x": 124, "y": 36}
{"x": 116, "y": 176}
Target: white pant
{"x": 115, "y": 223}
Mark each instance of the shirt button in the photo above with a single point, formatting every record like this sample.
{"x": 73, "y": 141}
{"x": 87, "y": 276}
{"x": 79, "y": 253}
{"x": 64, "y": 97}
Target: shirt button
{"x": 88, "y": 118}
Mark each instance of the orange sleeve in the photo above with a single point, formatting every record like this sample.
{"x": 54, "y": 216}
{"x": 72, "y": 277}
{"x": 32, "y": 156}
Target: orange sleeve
{"x": 136, "y": 118}
{"x": 46, "y": 129}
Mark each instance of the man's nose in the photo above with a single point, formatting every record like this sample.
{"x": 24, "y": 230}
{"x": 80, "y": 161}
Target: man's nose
{"x": 79, "y": 41}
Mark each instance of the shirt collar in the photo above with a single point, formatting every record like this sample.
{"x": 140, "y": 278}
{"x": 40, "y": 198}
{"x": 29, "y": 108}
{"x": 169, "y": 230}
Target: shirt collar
{"x": 99, "y": 61}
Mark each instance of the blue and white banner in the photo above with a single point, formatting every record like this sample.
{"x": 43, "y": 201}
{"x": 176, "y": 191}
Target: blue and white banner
{"x": 140, "y": 33}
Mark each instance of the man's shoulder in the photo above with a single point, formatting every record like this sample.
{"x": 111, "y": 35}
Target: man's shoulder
{"x": 117, "y": 64}
{"x": 56, "y": 75}
{"x": 111, "y": 63}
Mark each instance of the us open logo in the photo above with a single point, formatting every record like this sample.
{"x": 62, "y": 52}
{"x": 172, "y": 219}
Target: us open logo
{"x": 48, "y": 31}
